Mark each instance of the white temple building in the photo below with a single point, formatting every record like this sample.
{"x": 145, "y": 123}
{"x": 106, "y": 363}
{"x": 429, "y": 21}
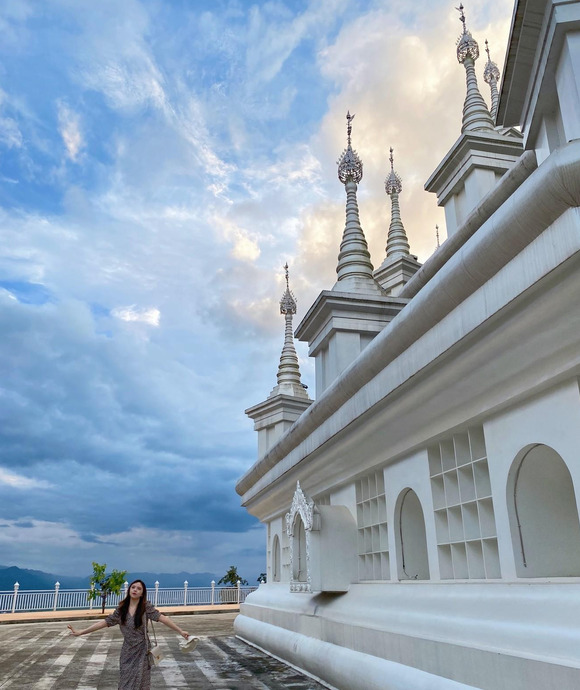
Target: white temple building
{"x": 422, "y": 515}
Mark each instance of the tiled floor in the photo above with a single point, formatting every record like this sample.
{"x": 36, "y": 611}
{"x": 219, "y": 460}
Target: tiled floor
{"x": 43, "y": 656}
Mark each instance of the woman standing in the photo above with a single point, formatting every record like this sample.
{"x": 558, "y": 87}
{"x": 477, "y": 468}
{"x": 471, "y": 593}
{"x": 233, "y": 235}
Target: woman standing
{"x": 132, "y": 615}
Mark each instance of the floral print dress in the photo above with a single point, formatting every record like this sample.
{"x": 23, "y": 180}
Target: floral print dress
{"x": 135, "y": 671}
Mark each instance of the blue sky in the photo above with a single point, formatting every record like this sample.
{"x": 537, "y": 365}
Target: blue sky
{"x": 159, "y": 163}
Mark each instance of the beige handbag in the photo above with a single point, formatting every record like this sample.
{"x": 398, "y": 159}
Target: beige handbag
{"x": 154, "y": 654}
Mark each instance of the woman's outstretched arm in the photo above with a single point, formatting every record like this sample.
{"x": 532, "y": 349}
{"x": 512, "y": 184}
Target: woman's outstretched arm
{"x": 170, "y": 624}
{"x": 95, "y": 626}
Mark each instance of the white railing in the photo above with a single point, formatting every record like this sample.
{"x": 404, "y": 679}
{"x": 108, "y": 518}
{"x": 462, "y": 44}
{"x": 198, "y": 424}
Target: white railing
{"x": 57, "y": 599}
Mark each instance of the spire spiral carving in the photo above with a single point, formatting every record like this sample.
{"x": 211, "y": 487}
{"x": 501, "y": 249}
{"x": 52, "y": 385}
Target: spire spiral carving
{"x": 354, "y": 269}
{"x": 397, "y": 242}
{"x": 476, "y": 116}
{"x": 288, "y": 370}
{"x": 491, "y": 75}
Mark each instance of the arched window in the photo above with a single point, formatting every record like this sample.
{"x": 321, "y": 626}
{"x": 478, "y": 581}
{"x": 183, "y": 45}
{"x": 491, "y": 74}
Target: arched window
{"x": 299, "y": 564}
{"x": 543, "y": 515}
{"x": 276, "y": 559}
{"x": 412, "y": 562}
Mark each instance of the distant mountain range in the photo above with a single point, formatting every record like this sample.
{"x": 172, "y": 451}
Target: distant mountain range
{"x": 37, "y": 579}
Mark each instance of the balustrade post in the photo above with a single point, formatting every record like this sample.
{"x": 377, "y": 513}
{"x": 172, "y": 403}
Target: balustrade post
{"x": 55, "y": 602}
{"x": 239, "y": 589}
{"x": 92, "y": 601}
{"x": 185, "y": 593}
{"x": 212, "y": 592}
{"x": 156, "y": 591}
{"x": 16, "y": 588}
{"x": 125, "y": 588}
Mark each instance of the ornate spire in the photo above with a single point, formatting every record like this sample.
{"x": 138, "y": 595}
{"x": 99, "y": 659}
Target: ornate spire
{"x": 350, "y": 166}
{"x": 476, "y": 115}
{"x": 397, "y": 242}
{"x": 354, "y": 269}
{"x": 491, "y": 75}
{"x": 288, "y": 369}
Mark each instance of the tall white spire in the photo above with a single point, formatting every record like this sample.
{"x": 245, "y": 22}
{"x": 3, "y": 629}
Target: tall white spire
{"x": 288, "y": 369}
{"x": 397, "y": 242}
{"x": 476, "y": 116}
{"x": 355, "y": 270}
{"x": 491, "y": 75}
{"x": 399, "y": 264}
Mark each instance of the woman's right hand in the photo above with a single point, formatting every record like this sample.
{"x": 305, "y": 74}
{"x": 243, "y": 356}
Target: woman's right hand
{"x": 74, "y": 632}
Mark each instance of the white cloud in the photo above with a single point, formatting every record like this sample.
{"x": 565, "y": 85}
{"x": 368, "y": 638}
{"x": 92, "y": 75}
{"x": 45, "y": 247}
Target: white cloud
{"x": 131, "y": 82}
{"x": 70, "y": 131}
{"x": 149, "y": 316}
{"x": 18, "y": 481}
{"x": 244, "y": 244}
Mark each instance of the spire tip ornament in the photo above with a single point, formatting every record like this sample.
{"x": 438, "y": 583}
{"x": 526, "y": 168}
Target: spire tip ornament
{"x": 288, "y": 301}
{"x": 350, "y": 166}
{"x": 393, "y": 182}
{"x": 491, "y": 71}
{"x": 467, "y": 46}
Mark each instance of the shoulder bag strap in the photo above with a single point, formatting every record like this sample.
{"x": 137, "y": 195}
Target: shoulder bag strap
{"x": 152, "y": 628}
{"x": 146, "y": 631}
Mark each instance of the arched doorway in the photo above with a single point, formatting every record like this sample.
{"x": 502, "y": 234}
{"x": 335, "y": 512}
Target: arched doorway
{"x": 412, "y": 561}
{"x": 543, "y": 515}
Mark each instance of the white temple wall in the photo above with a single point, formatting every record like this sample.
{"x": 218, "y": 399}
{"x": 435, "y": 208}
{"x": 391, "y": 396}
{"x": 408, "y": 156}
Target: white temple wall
{"x": 345, "y": 496}
{"x": 341, "y": 349}
{"x": 550, "y": 135}
{"x": 552, "y": 419}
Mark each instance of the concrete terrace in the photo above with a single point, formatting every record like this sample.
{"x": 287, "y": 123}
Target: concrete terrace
{"x": 41, "y": 655}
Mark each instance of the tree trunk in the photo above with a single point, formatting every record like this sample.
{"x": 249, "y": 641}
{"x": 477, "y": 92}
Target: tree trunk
{"x": 104, "y": 599}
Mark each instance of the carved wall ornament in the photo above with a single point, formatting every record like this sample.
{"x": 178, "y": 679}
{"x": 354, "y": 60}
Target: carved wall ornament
{"x": 302, "y": 508}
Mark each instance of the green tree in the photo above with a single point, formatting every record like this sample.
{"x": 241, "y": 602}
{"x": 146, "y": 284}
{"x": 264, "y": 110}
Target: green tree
{"x": 262, "y": 577}
{"x": 102, "y": 584}
{"x": 231, "y": 578}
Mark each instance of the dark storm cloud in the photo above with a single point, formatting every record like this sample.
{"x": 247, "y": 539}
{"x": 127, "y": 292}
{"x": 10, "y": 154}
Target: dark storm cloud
{"x": 101, "y": 422}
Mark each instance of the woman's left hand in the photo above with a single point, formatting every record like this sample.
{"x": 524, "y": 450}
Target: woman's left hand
{"x": 184, "y": 634}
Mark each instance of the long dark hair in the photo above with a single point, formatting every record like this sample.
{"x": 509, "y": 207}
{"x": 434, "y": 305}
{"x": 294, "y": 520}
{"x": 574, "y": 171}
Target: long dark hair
{"x": 141, "y": 606}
